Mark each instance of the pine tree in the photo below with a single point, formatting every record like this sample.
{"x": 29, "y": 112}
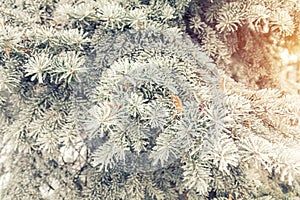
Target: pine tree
{"x": 149, "y": 99}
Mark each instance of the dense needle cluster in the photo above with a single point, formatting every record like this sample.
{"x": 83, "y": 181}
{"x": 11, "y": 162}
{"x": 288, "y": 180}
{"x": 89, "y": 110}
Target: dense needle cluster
{"x": 149, "y": 99}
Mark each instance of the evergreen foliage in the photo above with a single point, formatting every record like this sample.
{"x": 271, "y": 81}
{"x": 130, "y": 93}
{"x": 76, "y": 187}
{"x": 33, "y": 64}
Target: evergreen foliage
{"x": 247, "y": 39}
{"x": 149, "y": 99}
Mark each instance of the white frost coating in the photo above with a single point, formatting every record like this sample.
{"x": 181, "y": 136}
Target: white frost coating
{"x": 4, "y": 181}
{"x": 5, "y": 151}
{"x": 74, "y": 156}
{"x": 48, "y": 192}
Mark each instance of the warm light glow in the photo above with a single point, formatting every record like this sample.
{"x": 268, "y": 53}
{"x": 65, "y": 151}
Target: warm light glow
{"x": 284, "y": 56}
{"x": 293, "y": 58}
{"x": 289, "y": 71}
{"x": 288, "y": 58}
